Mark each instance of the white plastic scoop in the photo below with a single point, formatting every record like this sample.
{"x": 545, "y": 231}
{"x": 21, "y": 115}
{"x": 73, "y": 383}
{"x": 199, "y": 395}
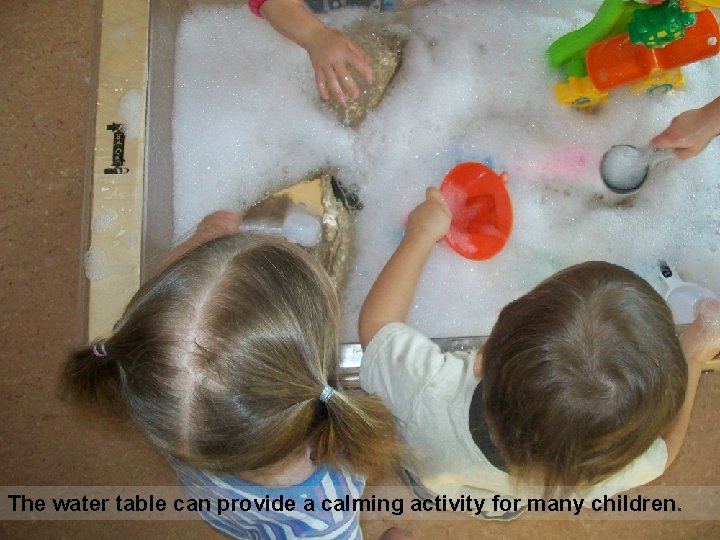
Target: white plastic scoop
{"x": 682, "y": 296}
{"x": 298, "y": 225}
{"x": 624, "y": 167}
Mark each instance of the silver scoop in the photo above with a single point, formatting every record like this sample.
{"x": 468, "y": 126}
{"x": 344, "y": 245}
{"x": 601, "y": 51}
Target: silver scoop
{"x": 624, "y": 167}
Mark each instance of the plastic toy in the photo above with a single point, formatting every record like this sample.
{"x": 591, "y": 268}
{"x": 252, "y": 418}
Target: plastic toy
{"x": 697, "y": 5}
{"x": 682, "y": 296}
{"x": 631, "y": 43}
{"x": 481, "y": 210}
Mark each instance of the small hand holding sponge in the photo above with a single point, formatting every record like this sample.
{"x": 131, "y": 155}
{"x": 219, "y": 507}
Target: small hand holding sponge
{"x": 385, "y": 51}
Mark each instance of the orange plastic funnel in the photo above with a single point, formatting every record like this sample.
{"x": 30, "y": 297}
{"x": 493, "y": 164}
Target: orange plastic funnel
{"x": 481, "y": 210}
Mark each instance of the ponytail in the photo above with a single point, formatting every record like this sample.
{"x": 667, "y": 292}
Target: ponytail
{"x": 91, "y": 376}
{"x": 358, "y": 431}
{"x": 221, "y": 361}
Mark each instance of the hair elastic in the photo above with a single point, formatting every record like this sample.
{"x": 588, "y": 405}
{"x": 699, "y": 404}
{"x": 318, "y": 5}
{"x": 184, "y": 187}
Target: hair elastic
{"x": 326, "y": 393}
{"x": 98, "y": 349}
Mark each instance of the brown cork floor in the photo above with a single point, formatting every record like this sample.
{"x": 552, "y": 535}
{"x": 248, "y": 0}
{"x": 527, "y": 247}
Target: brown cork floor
{"x": 46, "y": 59}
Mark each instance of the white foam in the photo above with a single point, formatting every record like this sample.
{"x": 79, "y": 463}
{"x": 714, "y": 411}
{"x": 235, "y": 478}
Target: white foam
{"x": 98, "y": 267}
{"x": 474, "y": 85}
{"x": 130, "y": 108}
{"x": 103, "y": 222}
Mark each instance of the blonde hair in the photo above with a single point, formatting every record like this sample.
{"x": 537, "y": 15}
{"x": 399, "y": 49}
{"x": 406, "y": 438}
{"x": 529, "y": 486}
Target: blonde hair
{"x": 581, "y": 375}
{"x": 221, "y": 360}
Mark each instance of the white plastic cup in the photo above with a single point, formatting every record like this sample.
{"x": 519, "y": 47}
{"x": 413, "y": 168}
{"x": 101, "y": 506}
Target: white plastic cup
{"x": 302, "y": 227}
{"x": 682, "y": 297}
{"x": 299, "y": 225}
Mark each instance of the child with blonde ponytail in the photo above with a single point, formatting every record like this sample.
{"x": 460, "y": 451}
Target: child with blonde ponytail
{"x": 228, "y": 361}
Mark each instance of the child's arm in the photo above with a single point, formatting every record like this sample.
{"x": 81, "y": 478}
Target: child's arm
{"x": 700, "y": 342}
{"x": 215, "y": 225}
{"x": 330, "y": 51}
{"x": 691, "y": 131}
{"x": 390, "y": 297}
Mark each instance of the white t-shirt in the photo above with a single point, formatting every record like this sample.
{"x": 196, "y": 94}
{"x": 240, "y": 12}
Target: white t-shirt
{"x": 429, "y": 393}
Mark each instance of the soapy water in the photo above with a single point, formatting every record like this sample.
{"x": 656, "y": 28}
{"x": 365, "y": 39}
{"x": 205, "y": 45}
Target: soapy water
{"x": 253, "y": 123}
{"x": 103, "y": 222}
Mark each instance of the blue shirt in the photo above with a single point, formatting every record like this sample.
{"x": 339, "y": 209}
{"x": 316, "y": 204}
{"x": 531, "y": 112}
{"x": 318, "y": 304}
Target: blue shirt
{"x": 325, "y": 484}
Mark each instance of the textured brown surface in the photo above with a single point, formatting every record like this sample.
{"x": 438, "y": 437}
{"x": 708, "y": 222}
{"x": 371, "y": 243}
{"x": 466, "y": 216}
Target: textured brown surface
{"x": 45, "y": 62}
{"x": 46, "y": 58}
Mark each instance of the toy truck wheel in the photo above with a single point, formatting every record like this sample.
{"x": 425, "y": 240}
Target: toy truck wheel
{"x": 579, "y": 93}
{"x": 660, "y": 83}
{"x": 659, "y": 89}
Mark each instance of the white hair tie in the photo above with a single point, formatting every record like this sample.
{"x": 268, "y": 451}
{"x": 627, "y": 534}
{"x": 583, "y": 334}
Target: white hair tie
{"x": 326, "y": 393}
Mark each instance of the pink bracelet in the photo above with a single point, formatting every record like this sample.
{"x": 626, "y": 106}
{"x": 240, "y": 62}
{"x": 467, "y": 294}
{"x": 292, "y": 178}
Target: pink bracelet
{"x": 255, "y": 6}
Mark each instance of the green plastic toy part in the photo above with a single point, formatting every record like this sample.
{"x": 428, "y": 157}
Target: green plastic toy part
{"x": 660, "y": 25}
{"x": 611, "y": 19}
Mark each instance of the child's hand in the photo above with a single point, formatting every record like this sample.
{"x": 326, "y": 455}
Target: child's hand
{"x": 218, "y": 224}
{"x": 691, "y": 131}
{"x": 331, "y": 52}
{"x": 431, "y": 218}
{"x": 701, "y": 340}
{"x": 215, "y": 225}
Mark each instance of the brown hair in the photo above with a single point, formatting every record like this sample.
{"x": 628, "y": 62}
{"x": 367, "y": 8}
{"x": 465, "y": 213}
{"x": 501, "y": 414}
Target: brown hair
{"x": 222, "y": 357}
{"x": 581, "y": 375}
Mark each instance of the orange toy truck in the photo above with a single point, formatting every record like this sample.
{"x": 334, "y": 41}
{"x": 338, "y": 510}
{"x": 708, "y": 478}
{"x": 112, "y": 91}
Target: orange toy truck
{"x": 633, "y": 44}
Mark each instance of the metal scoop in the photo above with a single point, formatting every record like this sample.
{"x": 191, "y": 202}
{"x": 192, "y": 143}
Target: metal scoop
{"x": 624, "y": 167}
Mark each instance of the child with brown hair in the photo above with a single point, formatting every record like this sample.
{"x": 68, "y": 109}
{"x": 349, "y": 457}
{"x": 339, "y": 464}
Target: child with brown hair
{"x": 581, "y": 386}
{"x": 228, "y": 361}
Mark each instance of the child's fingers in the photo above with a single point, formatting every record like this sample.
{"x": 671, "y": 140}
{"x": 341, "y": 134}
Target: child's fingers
{"x": 701, "y": 340}
{"x": 347, "y": 81}
{"x": 708, "y": 310}
{"x": 665, "y": 140}
{"x": 361, "y": 61}
{"x": 670, "y": 139}
{"x": 321, "y": 84}
{"x": 687, "y": 153}
{"x": 431, "y": 192}
{"x": 333, "y": 85}
{"x": 434, "y": 194}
